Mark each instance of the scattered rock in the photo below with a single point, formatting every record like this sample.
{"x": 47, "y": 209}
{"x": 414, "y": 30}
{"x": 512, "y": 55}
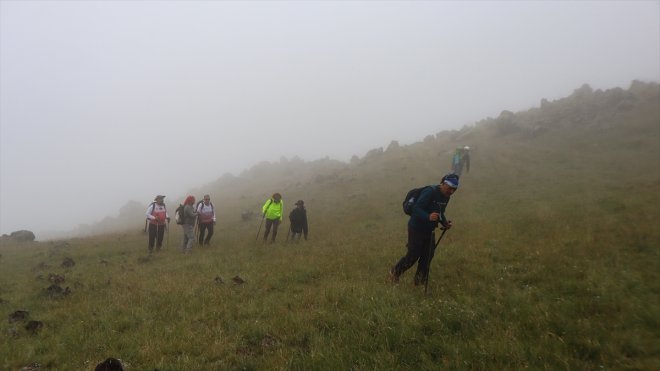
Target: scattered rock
{"x": 56, "y": 291}
{"x": 19, "y": 315}
{"x": 105, "y": 262}
{"x": 55, "y": 278}
{"x": 110, "y": 364}
{"x": 34, "y": 326}
{"x": 247, "y": 216}
{"x": 238, "y": 280}
{"x": 68, "y": 263}
{"x": 219, "y": 280}
{"x": 34, "y": 366}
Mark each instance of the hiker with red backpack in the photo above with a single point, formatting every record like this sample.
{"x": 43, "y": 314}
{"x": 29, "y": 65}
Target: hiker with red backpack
{"x": 206, "y": 220}
{"x": 157, "y": 217}
{"x": 427, "y": 211}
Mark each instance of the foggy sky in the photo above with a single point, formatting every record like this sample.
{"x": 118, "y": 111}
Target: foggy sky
{"x": 96, "y": 98}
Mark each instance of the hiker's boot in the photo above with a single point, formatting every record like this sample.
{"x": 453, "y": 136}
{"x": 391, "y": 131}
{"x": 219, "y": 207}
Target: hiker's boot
{"x": 420, "y": 279}
{"x": 394, "y": 277}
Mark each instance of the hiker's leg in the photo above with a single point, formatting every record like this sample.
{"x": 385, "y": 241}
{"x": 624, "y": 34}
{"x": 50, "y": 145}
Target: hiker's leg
{"x": 208, "y": 237}
{"x": 425, "y": 261}
{"x": 152, "y": 236}
{"x": 161, "y": 234}
{"x": 189, "y": 231}
{"x": 185, "y": 238}
{"x": 269, "y": 224}
{"x": 276, "y": 223}
{"x": 202, "y": 231}
{"x": 415, "y": 248}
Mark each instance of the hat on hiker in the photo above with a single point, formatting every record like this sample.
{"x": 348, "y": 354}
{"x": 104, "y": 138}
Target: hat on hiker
{"x": 451, "y": 180}
{"x": 300, "y": 202}
{"x": 159, "y": 196}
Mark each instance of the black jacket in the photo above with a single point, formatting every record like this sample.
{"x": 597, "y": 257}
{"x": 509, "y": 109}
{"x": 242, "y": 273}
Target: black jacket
{"x": 298, "y": 219}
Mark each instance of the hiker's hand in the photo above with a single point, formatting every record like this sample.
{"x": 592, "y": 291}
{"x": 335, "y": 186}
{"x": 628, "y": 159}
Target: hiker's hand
{"x": 434, "y": 217}
{"x": 447, "y": 224}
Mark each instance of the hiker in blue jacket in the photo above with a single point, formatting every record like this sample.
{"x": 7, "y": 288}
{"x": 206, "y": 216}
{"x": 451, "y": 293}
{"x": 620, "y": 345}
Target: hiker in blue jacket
{"x": 427, "y": 213}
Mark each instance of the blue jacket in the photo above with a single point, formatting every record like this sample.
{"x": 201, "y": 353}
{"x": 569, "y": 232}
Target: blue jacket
{"x": 430, "y": 200}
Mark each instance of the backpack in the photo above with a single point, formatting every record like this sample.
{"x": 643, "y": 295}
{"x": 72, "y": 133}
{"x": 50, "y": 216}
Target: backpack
{"x": 201, "y": 202}
{"x": 178, "y": 214}
{"x": 411, "y": 198}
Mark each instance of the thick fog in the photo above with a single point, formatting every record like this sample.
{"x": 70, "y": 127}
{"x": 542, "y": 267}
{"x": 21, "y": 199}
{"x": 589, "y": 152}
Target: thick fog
{"x": 108, "y": 101}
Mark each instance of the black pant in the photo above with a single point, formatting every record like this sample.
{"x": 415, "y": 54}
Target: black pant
{"x": 421, "y": 248}
{"x": 202, "y": 230}
{"x": 271, "y": 223}
{"x": 156, "y": 232}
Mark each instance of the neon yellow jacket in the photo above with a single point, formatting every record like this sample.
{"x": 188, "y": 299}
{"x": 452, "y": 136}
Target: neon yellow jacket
{"x": 273, "y": 210}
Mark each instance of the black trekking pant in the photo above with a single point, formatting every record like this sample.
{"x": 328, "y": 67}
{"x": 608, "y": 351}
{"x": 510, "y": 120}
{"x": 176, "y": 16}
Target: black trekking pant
{"x": 421, "y": 246}
{"x": 202, "y": 230}
{"x": 156, "y": 233}
{"x": 274, "y": 224}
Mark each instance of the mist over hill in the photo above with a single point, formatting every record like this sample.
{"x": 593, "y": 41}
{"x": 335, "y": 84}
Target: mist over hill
{"x": 614, "y": 133}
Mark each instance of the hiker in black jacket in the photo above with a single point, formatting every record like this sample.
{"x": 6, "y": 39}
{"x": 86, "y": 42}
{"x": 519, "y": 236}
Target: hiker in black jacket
{"x": 427, "y": 213}
{"x": 298, "y": 219}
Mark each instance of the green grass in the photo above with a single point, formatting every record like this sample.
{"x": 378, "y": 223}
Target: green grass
{"x": 552, "y": 265}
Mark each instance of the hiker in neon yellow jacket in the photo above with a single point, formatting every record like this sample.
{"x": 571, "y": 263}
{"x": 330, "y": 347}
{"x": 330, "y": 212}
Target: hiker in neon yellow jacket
{"x": 273, "y": 210}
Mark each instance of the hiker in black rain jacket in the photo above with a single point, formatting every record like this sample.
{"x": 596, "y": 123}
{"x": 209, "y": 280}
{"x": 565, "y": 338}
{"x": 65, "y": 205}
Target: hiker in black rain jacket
{"x": 298, "y": 219}
{"x": 427, "y": 213}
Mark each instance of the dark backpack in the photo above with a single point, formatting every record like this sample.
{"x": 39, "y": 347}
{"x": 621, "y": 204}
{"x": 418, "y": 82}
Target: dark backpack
{"x": 411, "y": 198}
{"x": 178, "y": 214}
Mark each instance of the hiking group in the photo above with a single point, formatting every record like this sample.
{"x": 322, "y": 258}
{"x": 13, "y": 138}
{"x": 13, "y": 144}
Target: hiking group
{"x": 425, "y": 205}
{"x": 198, "y": 221}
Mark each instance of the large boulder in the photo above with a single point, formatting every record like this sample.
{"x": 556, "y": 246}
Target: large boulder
{"x": 19, "y": 236}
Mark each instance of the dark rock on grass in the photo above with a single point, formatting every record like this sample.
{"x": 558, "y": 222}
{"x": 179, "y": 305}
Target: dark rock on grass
{"x": 55, "y": 278}
{"x": 110, "y": 364}
{"x": 219, "y": 280}
{"x": 18, "y": 315}
{"x": 238, "y": 280}
{"x": 34, "y": 366}
{"x": 68, "y": 263}
{"x": 56, "y": 291}
{"x": 34, "y": 326}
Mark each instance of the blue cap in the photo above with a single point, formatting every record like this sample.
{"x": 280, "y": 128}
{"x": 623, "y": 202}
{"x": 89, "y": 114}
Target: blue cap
{"x": 451, "y": 180}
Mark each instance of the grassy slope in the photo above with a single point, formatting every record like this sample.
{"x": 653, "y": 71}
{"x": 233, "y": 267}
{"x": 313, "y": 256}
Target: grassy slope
{"x": 552, "y": 264}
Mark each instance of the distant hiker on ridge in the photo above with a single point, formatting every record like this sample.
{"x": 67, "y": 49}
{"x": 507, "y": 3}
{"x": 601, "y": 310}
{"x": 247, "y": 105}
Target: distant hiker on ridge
{"x": 189, "y": 218}
{"x": 298, "y": 219}
{"x": 273, "y": 210}
{"x": 427, "y": 212}
{"x": 206, "y": 220}
{"x": 460, "y": 159}
{"x": 157, "y": 216}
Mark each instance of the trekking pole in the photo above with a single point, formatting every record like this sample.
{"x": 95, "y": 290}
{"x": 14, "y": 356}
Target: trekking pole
{"x": 167, "y": 229}
{"x": 260, "y": 224}
{"x": 428, "y": 270}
